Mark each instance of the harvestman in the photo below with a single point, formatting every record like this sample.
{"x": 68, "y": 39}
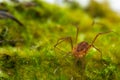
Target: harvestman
{"x": 79, "y": 50}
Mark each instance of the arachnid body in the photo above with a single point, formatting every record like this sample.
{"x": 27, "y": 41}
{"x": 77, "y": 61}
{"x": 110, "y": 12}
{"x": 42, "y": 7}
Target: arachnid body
{"x": 80, "y": 49}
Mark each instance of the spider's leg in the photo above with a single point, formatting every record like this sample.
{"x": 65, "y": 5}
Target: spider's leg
{"x": 98, "y": 50}
{"x": 76, "y": 38}
{"x": 99, "y": 35}
{"x": 64, "y": 39}
{"x": 67, "y": 53}
{"x": 61, "y": 61}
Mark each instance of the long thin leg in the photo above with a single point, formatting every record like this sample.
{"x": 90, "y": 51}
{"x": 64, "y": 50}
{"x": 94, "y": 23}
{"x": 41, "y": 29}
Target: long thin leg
{"x": 98, "y": 50}
{"x": 99, "y": 35}
{"x": 61, "y": 61}
{"x": 64, "y": 39}
{"x": 77, "y": 27}
{"x": 100, "y": 53}
{"x": 60, "y": 41}
{"x": 76, "y": 38}
{"x": 77, "y": 31}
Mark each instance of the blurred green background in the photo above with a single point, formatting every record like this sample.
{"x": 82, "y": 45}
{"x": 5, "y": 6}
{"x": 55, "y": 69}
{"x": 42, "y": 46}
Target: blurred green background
{"x": 35, "y": 58}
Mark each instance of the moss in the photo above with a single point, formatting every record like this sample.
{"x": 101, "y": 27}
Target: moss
{"x": 33, "y": 56}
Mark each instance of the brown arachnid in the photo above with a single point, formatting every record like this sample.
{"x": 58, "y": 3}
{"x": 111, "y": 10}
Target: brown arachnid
{"x": 79, "y": 50}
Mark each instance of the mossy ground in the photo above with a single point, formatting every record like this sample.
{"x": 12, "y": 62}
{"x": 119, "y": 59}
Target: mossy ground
{"x": 35, "y": 57}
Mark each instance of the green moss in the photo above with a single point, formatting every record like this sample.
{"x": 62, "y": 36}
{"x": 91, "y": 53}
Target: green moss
{"x": 33, "y": 56}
